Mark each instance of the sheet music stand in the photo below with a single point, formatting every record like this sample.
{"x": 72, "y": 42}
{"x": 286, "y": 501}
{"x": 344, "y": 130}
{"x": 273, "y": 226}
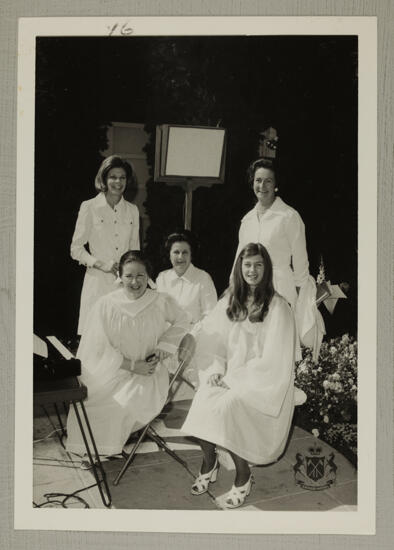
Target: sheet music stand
{"x": 152, "y": 434}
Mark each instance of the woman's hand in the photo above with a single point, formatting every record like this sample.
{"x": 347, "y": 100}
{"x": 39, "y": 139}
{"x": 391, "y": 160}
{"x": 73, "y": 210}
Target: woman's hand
{"x": 217, "y": 380}
{"x": 115, "y": 269}
{"x": 146, "y": 368}
{"x": 162, "y": 355}
{"x": 107, "y": 267}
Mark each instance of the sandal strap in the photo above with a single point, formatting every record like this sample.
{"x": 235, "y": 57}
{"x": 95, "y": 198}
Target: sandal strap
{"x": 237, "y": 495}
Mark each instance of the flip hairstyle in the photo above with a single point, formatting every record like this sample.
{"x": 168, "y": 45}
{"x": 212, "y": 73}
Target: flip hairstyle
{"x": 239, "y": 289}
{"x": 115, "y": 161}
{"x": 261, "y": 163}
{"x": 134, "y": 256}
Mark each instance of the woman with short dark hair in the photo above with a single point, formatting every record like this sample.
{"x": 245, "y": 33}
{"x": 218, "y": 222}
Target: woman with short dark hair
{"x": 128, "y": 335}
{"x": 109, "y": 225}
{"x": 245, "y": 401}
{"x": 191, "y": 287}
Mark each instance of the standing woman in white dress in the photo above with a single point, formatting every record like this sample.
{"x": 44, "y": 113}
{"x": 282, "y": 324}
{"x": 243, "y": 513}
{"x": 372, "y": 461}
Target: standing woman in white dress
{"x": 110, "y": 226}
{"x": 279, "y": 227}
{"x": 129, "y": 333}
{"x": 191, "y": 287}
{"x": 245, "y": 401}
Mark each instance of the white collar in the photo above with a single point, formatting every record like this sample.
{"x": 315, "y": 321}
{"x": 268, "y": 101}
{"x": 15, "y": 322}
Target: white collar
{"x": 134, "y": 307}
{"x": 101, "y": 202}
{"x": 187, "y": 276}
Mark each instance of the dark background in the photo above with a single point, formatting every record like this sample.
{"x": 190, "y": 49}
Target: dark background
{"x": 306, "y": 87}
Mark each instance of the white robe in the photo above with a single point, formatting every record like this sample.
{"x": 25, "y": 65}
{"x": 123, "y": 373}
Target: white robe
{"x": 109, "y": 234}
{"x": 281, "y": 230}
{"x": 120, "y": 402}
{"x": 253, "y": 417}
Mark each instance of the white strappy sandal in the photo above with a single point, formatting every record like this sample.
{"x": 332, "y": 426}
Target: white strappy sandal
{"x": 236, "y": 496}
{"x": 201, "y": 482}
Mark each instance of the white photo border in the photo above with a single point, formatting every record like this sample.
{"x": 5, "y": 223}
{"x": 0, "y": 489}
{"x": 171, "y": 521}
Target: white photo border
{"x": 361, "y": 521}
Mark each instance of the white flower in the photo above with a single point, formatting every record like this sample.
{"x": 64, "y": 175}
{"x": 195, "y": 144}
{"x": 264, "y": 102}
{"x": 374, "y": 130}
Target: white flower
{"x": 302, "y": 367}
{"x": 325, "y": 419}
{"x": 315, "y": 432}
{"x": 333, "y": 350}
{"x": 326, "y": 384}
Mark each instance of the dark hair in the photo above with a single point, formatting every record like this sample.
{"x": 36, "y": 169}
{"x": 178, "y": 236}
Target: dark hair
{"x": 239, "y": 289}
{"x": 181, "y": 236}
{"x": 115, "y": 161}
{"x": 134, "y": 256}
{"x": 261, "y": 163}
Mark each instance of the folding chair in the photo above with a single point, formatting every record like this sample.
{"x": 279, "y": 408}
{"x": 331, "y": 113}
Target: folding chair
{"x": 188, "y": 344}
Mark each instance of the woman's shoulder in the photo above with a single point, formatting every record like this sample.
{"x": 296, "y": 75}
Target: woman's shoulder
{"x": 279, "y": 302}
{"x": 90, "y": 203}
{"x": 163, "y": 274}
{"x": 202, "y": 274}
{"x": 289, "y": 210}
{"x": 248, "y": 216}
{"x": 131, "y": 206}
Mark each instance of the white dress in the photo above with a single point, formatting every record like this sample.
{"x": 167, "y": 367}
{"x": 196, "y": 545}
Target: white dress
{"x": 120, "y": 402}
{"x": 281, "y": 230}
{"x": 195, "y": 293}
{"x": 253, "y": 417}
{"x": 109, "y": 234}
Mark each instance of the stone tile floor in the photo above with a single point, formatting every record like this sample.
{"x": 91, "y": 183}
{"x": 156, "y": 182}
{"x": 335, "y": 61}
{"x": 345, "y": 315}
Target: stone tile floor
{"x": 156, "y": 481}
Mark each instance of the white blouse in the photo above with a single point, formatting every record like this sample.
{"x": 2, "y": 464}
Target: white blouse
{"x": 281, "y": 230}
{"x": 109, "y": 233}
{"x": 194, "y": 291}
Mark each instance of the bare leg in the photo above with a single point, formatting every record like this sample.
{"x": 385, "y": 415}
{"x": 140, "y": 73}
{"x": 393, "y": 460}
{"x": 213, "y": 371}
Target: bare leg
{"x": 209, "y": 451}
{"x": 242, "y": 470}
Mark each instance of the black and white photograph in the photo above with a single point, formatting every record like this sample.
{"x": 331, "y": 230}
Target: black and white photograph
{"x": 196, "y": 243}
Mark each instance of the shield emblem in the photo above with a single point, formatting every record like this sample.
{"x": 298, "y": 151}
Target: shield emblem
{"x": 315, "y": 467}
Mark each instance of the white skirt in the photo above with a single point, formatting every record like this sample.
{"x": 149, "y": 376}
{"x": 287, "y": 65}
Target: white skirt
{"x": 116, "y": 411}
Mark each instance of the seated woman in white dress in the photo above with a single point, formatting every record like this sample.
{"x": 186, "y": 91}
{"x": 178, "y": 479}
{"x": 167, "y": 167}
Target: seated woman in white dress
{"x": 245, "y": 401}
{"x": 191, "y": 287}
{"x": 124, "y": 328}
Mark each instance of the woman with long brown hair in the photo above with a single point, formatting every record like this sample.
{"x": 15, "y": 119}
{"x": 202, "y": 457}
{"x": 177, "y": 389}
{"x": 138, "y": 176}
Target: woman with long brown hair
{"x": 245, "y": 401}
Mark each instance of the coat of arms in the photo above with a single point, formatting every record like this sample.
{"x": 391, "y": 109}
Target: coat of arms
{"x": 315, "y": 471}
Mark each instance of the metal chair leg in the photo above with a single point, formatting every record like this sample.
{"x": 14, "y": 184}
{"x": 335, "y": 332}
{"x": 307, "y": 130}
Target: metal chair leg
{"x": 131, "y": 455}
{"x": 96, "y": 464}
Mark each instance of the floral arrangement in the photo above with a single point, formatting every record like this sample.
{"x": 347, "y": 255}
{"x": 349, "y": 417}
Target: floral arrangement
{"x": 330, "y": 411}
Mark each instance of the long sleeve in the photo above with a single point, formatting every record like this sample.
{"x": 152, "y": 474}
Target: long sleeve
{"x": 135, "y": 234}
{"x": 208, "y": 296}
{"x": 295, "y": 231}
{"x": 179, "y": 325}
{"x": 81, "y": 237}
{"x": 264, "y": 379}
{"x": 211, "y": 341}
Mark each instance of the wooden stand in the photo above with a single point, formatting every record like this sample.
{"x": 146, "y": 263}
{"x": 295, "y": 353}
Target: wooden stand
{"x": 188, "y": 204}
